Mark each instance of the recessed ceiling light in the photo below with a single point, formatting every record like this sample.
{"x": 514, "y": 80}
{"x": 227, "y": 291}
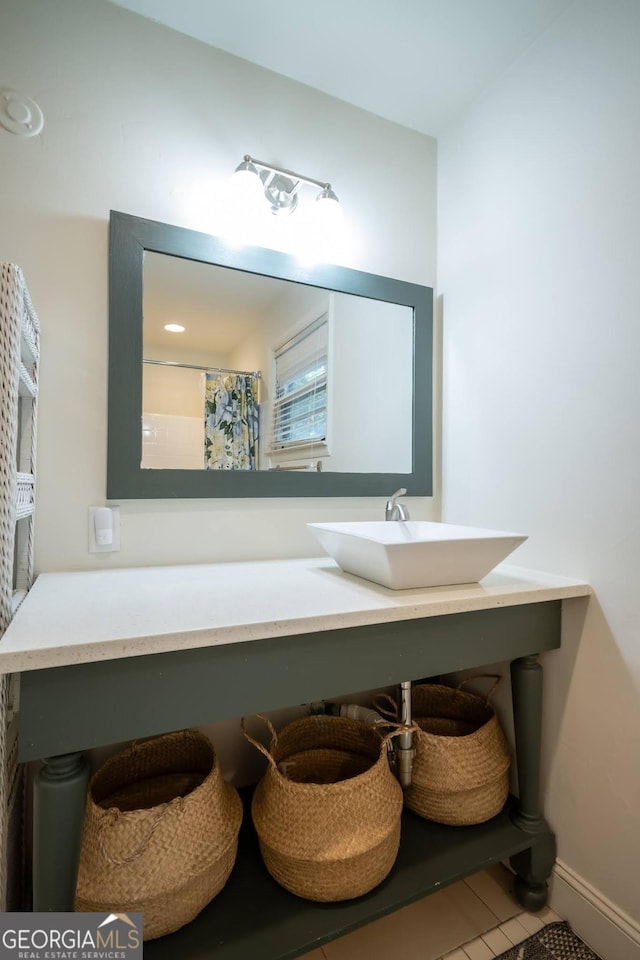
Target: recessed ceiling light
{"x": 174, "y": 327}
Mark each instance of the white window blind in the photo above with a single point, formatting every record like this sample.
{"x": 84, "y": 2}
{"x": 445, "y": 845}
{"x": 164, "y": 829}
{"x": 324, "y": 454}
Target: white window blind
{"x": 300, "y": 396}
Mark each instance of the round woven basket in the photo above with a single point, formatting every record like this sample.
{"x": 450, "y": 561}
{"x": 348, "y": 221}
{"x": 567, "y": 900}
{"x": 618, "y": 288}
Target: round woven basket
{"x": 160, "y": 832}
{"x": 327, "y": 811}
{"x": 461, "y": 767}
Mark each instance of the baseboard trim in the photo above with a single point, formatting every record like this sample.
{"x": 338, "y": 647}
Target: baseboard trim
{"x": 608, "y": 930}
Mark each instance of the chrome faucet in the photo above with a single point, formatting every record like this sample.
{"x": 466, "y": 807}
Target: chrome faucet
{"x": 396, "y": 511}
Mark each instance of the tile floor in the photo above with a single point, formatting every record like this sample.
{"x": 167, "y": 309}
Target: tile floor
{"x": 476, "y": 919}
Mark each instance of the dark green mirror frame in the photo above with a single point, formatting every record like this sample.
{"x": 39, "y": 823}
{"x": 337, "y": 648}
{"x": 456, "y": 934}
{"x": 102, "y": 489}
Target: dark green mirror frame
{"x": 129, "y": 238}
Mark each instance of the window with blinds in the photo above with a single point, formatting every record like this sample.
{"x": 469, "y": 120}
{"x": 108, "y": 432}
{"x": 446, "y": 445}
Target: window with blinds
{"x": 300, "y": 394}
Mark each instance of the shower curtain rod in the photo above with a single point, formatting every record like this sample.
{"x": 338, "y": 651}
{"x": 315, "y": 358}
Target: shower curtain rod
{"x": 193, "y": 366}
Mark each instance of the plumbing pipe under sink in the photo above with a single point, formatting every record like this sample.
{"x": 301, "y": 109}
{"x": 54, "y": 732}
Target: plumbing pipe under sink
{"x": 352, "y": 710}
{"x": 405, "y": 751}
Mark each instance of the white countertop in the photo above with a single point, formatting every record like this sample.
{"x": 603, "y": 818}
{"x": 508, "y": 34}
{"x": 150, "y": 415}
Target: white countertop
{"x": 70, "y": 618}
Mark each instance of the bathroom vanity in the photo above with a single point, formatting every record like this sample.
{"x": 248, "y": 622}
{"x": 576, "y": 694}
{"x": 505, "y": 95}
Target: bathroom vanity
{"x": 112, "y": 655}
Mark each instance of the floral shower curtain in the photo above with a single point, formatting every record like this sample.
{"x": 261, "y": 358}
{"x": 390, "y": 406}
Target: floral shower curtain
{"x": 231, "y": 421}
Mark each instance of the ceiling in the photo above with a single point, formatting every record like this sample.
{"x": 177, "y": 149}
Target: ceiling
{"x": 220, "y": 307}
{"x": 416, "y": 62}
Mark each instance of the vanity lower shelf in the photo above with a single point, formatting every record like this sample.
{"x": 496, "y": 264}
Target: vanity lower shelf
{"x": 254, "y": 917}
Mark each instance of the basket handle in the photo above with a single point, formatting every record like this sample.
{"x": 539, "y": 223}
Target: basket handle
{"x": 112, "y": 817}
{"x": 399, "y": 729}
{"x": 256, "y": 743}
{"x": 479, "y": 676}
{"x": 386, "y": 706}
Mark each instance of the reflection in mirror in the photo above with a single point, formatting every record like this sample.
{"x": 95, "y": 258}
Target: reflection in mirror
{"x": 272, "y": 375}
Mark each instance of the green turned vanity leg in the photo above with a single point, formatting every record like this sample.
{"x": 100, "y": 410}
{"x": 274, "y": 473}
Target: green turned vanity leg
{"x": 59, "y": 797}
{"x": 526, "y": 688}
{"x": 533, "y": 866}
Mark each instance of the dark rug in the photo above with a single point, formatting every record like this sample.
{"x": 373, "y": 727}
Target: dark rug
{"x": 556, "y": 941}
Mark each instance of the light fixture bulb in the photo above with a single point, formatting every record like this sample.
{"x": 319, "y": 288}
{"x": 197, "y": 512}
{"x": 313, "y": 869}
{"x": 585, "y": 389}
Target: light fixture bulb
{"x": 245, "y": 182}
{"x": 328, "y": 206}
{"x": 174, "y": 327}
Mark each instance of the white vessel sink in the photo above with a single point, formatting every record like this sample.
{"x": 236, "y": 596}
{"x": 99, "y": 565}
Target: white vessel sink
{"x": 415, "y": 553}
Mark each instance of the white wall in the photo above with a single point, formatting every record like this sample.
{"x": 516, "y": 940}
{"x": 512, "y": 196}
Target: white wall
{"x": 144, "y": 120}
{"x": 174, "y": 391}
{"x": 371, "y": 356}
{"x": 539, "y": 206}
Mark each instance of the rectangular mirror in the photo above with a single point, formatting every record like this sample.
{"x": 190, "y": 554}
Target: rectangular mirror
{"x": 286, "y": 381}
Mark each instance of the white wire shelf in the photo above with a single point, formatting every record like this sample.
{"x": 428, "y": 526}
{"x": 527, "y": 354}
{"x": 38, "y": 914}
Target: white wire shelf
{"x": 24, "y": 495}
{"x": 27, "y": 386}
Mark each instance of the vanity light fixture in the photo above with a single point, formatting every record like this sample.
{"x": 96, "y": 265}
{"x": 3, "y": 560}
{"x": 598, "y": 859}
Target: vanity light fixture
{"x": 174, "y": 328}
{"x": 280, "y": 187}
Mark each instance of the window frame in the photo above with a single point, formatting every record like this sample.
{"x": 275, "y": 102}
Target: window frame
{"x": 309, "y": 451}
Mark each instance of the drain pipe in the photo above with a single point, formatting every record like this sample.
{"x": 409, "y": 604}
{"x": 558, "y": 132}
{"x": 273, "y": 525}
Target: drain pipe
{"x": 404, "y": 749}
{"x": 351, "y": 710}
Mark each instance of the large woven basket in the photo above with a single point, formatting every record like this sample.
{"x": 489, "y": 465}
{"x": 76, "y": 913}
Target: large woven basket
{"x": 327, "y": 811}
{"x": 461, "y": 767}
{"x": 160, "y": 833}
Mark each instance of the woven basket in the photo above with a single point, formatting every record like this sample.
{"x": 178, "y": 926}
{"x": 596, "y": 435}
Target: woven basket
{"x": 461, "y": 767}
{"x": 160, "y": 833}
{"x": 327, "y": 811}
{"x": 460, "y": 770}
